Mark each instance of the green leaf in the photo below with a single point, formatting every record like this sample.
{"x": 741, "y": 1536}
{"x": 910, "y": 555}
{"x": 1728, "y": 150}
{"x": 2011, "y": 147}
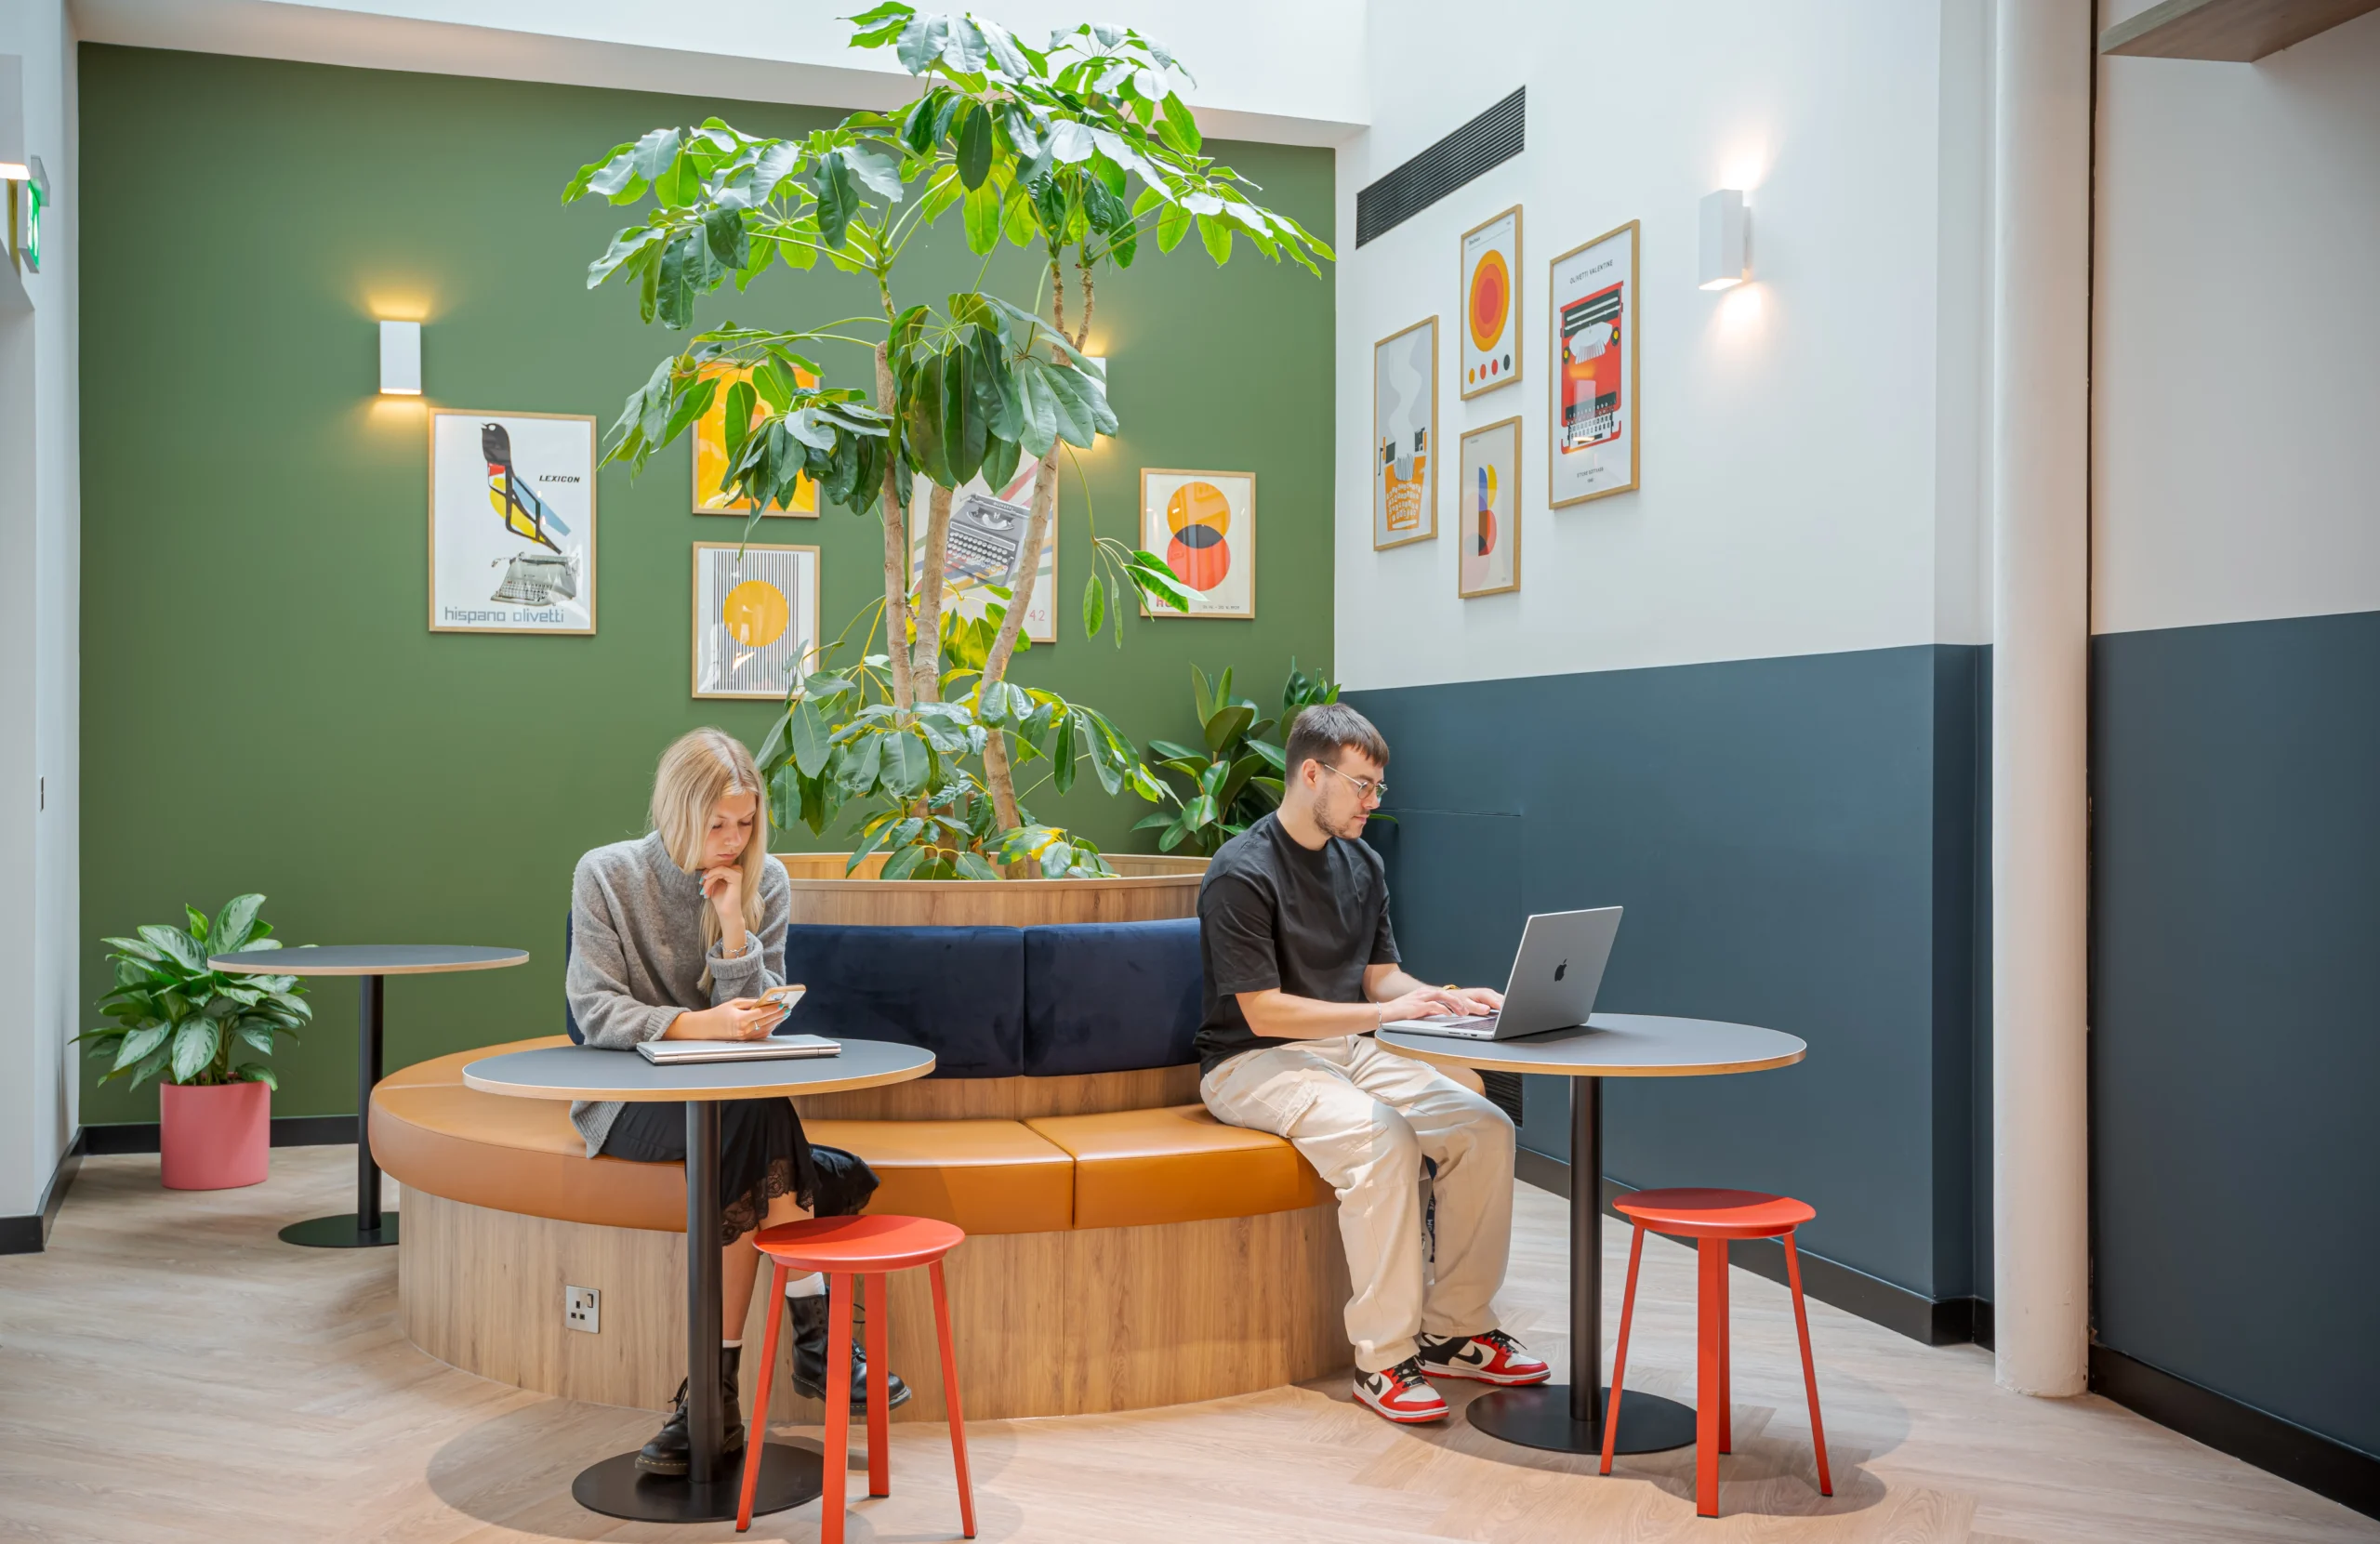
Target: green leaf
{"x": 906, "y": 764}
{"x": 1177, "y": 128}
{"x": 195, "y": 1044}
{"x": 1225, "y": 725}
{"x": 235, "y": 924}
{"x": 175, "y": 945}
{"x": 139, "y": 1043}
{"x": 901, "y": 864}
{"x": 1095, "y": 607}
{"x": 974, "y": 147}
{"x": 971, "y": 865}
{"x": 1202, "y": 694}
{"x": 257, "y": 1072}
{"x": 257, "y": 1036}
{"x": 1062, "y": 755}
{"x": 1171, "y": 226}
{"x": 812, "y": 736}
{"x": 1217, "y": 235}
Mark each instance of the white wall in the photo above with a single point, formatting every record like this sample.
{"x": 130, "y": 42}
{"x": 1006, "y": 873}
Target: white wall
{"x": 1299, "y": 84}
{"x": 2236, "y": 356}
{"x": 40, "y": 568}
{"x": 1811, "y": 457}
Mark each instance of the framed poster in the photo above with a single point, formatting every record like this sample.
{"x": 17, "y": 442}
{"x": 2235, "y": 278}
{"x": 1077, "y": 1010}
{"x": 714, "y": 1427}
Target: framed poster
{"x": 755, "y": 618}
{"x": 987, "y": 540}
{"x": 511, "y": 523}
{"x": 1592, "y": 430}
{"x": 1491, "y": 304}
{"x": 1487, "y": 504}
{"x": 710, "y": 453}
{"x": 1203, "y": 524}
{"x": 1404, "y": 424}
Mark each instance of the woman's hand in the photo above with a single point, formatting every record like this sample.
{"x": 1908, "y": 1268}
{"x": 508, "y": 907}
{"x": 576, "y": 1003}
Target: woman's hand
{"x": 724, "y": 888}
{"x": 738, "y": 1019}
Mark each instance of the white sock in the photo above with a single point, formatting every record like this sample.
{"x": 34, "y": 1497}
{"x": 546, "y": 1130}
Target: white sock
{"x": 812, "y": 1285}
{"x": 731, "y": 1345}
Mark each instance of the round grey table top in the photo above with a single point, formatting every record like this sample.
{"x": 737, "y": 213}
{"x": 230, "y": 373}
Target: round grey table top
{"x": 1614, "y": 1044}
{"x": 369, "y": 960}
{"x": 587, "y": 1072}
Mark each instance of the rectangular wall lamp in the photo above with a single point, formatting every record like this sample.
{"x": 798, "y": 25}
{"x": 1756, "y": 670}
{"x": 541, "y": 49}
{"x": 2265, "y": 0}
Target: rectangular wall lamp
{"x": 1724, "y": 265}
{"x": 401, "y": 358}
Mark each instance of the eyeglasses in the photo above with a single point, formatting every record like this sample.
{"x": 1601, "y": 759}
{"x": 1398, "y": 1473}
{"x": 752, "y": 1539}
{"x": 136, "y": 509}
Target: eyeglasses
{"x": 1365, "y": 787}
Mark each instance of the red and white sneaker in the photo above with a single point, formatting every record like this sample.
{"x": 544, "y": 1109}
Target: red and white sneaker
{"x": 1400, "y": 1393}
{"x": 1494, "y": 1357}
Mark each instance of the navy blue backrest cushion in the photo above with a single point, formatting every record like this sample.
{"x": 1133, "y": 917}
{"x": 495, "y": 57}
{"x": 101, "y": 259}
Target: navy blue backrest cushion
{"x": 957, "y": 992}
{"x": 1110, "y": 997}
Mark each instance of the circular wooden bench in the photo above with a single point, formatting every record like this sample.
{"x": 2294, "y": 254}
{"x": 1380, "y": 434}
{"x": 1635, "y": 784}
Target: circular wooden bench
{"x": 1124, "y": 1249}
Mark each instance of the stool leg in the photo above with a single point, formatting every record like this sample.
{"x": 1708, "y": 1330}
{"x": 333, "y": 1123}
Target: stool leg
{"x": 1619, "y": 1354}
{"x": 880, "y": 1436}
{"x": 1726, "y": 1361}
{"x": 950, "y": 1398}
{"x": 839, "y": 1285}
{"x": 1714, "y": 1263}
{"x": 760, "y": 1434}
{"x": 1809, "y": 1368}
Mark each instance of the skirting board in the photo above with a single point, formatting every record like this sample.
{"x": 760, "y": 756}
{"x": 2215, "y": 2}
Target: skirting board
{"x": 140, "y": 1136}
{"x": 2346, "y": 1475}
{"x": 30, "y": 1235}
{"x": 1949, "y": 1321}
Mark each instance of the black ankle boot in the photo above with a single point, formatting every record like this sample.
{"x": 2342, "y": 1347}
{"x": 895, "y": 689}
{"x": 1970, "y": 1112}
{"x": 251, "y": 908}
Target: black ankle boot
{"x": 667, "y": 1452}
{"x": 809, "y": 1318}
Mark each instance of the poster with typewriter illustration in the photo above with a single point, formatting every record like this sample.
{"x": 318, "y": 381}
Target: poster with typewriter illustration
{"x": 1594, "y": 425}
{"x": 986, "y": 536}
{"x": 511, "y": 523}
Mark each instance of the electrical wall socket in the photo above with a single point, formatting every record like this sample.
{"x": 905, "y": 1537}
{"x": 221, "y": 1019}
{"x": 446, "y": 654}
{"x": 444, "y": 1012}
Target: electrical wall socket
{"x": 582, "y": 1308}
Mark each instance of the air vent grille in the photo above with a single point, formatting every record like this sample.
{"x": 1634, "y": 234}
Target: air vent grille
{"x": 1489, "y": 141}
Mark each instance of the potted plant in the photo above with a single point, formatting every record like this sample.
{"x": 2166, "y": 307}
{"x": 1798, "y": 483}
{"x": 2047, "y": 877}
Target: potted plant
{"x": 194, "y": 1027}
{"x": 1040, "y": 148}
{"x": 1234, "y": 777}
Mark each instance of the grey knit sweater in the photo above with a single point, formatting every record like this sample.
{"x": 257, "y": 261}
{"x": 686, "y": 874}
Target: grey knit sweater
{"x": 636, "y": 954}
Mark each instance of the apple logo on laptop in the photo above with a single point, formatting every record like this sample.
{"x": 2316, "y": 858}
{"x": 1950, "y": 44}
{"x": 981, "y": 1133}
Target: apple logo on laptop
{"x": 1559, "y": 968}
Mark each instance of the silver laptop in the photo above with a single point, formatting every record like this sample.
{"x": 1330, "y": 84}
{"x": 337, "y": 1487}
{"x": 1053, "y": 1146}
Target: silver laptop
{"x": 1554, "y": 980}
{"x": 776, "y": 1048}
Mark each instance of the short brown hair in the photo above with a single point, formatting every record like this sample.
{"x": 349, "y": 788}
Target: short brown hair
{"x": 1321, "y": 731}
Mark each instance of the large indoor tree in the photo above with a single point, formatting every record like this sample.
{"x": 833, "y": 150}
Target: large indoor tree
{"x": 1076, "y": 151}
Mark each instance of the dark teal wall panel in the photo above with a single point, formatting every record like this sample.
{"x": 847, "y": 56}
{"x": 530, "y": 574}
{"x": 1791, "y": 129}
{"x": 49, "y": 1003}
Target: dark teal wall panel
{"x": 1774, "y": 828}
{"x": 2235, "y": 1015}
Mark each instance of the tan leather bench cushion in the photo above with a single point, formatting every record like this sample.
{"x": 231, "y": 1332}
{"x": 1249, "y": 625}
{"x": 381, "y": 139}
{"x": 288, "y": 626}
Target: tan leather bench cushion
{"x": 523, "y": 1156}
{"x": 1177, "y": 1165}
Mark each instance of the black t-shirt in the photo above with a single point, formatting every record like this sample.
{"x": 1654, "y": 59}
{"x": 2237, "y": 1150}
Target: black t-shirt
{"x": 1274, "y": 914}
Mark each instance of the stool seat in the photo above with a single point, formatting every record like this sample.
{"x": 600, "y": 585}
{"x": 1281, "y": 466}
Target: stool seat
{"x": 1694, "y": 1212}
{"x": 865, "y": 1245}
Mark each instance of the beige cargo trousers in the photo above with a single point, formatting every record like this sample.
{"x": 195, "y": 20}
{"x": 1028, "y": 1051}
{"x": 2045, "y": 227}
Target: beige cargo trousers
{"x": 1365, "y": 1117}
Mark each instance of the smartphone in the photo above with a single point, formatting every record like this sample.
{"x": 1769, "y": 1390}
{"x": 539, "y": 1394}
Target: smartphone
{"x": 785, "y": 997}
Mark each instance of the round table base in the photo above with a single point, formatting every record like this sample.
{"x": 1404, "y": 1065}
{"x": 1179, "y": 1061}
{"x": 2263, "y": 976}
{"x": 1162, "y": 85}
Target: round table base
{"x": 342, "y": 1232}
{"x": 1540, "y": 1417}
{"x": 617, "y": 1488}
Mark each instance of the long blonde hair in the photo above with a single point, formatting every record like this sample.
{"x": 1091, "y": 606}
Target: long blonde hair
{"x": 697, "y": 771}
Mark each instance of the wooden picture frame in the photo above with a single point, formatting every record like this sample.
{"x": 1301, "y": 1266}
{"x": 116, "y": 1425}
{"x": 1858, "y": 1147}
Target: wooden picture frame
{"x": 716, "y": 672}
{"x": 1404, "y": 439}
{"x": 1594, "y": 285}
{"x": 1171, "y": 512}
{"x": 542, "y": 498}
{"x": 1496, "y": 509}
{"x": 1488, "y": 261}
{"x": 707, "y": 453}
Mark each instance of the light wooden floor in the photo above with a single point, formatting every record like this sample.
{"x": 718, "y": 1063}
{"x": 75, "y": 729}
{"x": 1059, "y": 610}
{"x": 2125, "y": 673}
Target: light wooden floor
{"x": 170, "y": 1372}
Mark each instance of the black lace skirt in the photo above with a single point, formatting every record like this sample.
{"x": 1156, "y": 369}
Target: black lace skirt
{"x": 763, "y": 1154}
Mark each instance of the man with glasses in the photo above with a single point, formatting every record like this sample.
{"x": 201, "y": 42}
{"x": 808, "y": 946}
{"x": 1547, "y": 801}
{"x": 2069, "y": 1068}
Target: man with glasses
{"x": 1300, "y": 968}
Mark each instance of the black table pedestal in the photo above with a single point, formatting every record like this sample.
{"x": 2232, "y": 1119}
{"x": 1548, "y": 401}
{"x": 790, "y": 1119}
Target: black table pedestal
{"x": 788, "y": 1475}
{"x": 369, "y": 1226}
{"x": 1567, "y": 1418}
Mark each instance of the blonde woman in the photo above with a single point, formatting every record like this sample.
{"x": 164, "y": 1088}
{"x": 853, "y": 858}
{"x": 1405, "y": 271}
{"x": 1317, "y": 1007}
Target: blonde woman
{"x": 674, "y": 937}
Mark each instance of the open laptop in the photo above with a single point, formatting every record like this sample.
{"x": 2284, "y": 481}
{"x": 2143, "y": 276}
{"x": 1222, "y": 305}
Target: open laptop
{"x": 1553, "y": 983}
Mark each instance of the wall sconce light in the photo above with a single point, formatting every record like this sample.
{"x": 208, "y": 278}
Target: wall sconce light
{"x": 401, "y": 358}
{"x": 1724, "y": 265}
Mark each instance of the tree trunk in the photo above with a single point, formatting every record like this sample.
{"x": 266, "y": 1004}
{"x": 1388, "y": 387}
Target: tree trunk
{"x": 996, "y": 771}
{"x": 896, "y": 545}
{"x": 925, "y": 656}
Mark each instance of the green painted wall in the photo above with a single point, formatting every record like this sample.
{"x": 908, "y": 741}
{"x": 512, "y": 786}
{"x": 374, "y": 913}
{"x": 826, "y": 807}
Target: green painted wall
{"x": 263, "y": 706}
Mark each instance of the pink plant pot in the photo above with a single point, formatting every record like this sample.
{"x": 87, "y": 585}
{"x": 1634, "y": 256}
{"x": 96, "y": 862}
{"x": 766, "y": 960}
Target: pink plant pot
{"x": 214, "y": 1138}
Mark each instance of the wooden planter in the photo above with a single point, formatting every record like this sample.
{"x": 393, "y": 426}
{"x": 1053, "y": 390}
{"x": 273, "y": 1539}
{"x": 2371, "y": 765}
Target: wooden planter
{"x": 1147, "y": 888}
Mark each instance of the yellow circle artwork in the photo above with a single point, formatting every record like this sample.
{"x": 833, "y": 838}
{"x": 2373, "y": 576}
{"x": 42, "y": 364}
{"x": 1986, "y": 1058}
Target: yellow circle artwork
{"x": 754, "y": 613}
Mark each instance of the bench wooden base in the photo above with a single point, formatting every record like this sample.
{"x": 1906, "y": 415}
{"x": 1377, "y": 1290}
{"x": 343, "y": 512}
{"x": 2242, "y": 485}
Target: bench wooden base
{"x": 1048, "y": 1324}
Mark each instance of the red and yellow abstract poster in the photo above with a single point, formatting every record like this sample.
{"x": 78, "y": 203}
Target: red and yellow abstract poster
{"x": 1491, "y": 304}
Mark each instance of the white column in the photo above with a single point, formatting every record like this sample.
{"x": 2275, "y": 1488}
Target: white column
{"x": 2040, "y": 669}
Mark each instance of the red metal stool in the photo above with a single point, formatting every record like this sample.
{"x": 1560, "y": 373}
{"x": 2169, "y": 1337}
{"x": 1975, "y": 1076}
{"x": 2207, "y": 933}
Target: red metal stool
{"x": 1715, "y": 1217}
{"x": 848, "y": 1248}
